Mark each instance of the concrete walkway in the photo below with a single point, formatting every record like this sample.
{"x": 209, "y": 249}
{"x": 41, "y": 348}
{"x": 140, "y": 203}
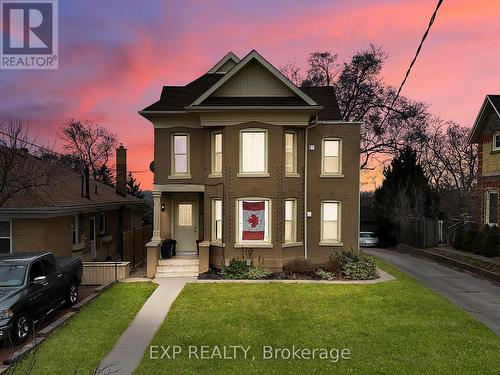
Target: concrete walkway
{"x": 480, "y": 298}
{"x": 124, "y": 358}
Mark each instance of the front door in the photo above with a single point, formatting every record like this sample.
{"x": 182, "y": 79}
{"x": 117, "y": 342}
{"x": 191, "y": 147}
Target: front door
{"x": 186, "y": 223}
{"x": 92, "y": 237}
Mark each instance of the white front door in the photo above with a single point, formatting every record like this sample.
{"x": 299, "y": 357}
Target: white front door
{"x": 186, "y": 223}
{"x": 92, "y": 237}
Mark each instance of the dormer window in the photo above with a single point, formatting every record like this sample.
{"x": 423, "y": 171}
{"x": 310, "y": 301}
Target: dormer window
{"x": 496, "y": 141}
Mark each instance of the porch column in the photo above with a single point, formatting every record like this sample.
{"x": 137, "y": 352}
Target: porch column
{"x": 156, "y": 216}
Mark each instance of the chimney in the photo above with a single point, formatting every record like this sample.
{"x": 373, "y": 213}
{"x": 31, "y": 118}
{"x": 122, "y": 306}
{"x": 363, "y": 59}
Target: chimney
{"x": 121, "y": 171}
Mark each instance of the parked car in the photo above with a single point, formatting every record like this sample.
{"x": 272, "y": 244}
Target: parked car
{"x": 368, "y": 239}
{"x": 32, "y": 285}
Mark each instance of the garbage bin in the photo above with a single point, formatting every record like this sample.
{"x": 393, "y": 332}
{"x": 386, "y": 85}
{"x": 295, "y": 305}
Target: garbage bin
{"x": 168, "y": 249}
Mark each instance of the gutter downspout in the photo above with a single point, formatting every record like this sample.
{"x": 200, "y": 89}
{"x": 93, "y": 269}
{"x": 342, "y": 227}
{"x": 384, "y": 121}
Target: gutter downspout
{"x": 306, "y": 145}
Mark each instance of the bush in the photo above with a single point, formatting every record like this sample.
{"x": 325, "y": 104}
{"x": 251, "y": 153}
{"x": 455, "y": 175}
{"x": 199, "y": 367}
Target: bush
{"x": 298, "y": 266}
{"x": 324, "y": 275}
{"x": 491, "y": 243}
{"x": 237, "y": 269}
{"x": 258, "y": 273}
{"x": 478, "y": 243}
{"x": 469, "y": 237}
{"x": 458, "y": 240}
{"x": 357, "y": 265}
{"x": 333, "y": 264}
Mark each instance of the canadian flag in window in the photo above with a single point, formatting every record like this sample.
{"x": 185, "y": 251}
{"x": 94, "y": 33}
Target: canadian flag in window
{"x": 253, "y": 221}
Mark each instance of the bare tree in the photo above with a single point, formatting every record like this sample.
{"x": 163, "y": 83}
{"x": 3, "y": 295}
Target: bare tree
{"x": 293, "y": 72}
{"x": 91, "y": 143}
{"x": 20, "y": 169}
{"x": 323, "y": 68}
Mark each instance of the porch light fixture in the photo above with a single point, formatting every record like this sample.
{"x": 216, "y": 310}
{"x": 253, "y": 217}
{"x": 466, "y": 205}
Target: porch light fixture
{"x": 163, "y": 206}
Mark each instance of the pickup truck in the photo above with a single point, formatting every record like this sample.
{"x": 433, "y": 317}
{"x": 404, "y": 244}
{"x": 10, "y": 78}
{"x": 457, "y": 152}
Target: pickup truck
{"x": 32, "y": 285}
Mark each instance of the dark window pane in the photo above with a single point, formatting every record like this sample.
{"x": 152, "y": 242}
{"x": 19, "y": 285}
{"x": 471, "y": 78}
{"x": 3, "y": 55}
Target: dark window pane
{"x": 4, "y": 245}
{"x": 493, "y": 208}
{"x": 4, "y": 228}
{"x": 497, "y": 141}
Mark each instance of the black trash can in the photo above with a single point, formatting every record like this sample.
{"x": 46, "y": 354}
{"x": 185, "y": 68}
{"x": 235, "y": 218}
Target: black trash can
{"x": 168, "y": 249}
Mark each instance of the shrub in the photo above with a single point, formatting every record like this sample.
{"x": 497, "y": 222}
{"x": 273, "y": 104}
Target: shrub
{"x": 478, "y": 243}
{"x": 258, "y": 273}
{"x": 237, "y": 269}
{"x": 491, "y": 243}
{"x": 333, "y": 264}
{"x": 357, "y": 265}
{"x": 468, "y": 240}
{"x": 458, "y": 240}
{"x": 324, "y": 275}
{"x": 299, "y": 266}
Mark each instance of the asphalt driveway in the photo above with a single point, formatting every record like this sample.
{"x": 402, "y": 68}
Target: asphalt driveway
{"x": 480, "y": 298}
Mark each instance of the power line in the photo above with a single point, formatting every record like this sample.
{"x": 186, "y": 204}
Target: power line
{"x": 55, "y": 152}
{"x": 417, "y": 53}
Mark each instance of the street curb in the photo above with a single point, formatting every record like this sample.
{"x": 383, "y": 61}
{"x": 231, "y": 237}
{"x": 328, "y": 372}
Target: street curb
{"x": 453, "y": 262}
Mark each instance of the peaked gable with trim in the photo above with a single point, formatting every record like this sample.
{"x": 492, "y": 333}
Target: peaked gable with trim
{"x": 488, "y": 118}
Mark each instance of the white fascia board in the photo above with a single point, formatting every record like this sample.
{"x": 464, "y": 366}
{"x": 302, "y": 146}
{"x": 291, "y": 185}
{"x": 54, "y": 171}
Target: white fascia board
{"x": 225, "y": 59}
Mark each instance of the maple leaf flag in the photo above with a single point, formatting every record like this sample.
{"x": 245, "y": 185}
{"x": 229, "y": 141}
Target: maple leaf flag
{"x": 253, "y": 221}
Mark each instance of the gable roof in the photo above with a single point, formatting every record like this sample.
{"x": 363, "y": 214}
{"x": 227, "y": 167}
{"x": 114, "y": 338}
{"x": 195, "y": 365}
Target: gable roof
{"x": 491, "y": 102}
{"x": 254, "y": 56}
{"x": 221, "y": 66}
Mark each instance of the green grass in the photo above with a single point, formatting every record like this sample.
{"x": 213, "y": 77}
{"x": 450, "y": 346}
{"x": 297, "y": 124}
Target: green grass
{"x": 91, "y": 333}
{"x": 397, "y": 327}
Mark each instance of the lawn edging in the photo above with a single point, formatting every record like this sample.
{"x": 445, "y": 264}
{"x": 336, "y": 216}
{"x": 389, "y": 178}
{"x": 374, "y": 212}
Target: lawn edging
{"x": 383, "y": 277}
{"x": 450, "y": 261}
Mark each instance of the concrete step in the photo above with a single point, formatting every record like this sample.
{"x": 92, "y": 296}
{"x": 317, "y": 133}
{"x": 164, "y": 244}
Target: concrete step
{"x": 179, "y": 261}
{"x": 177, "y": 274}
{"x": 178, "y": 268}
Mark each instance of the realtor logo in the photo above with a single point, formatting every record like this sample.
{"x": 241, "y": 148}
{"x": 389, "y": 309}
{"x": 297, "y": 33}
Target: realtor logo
{"x": 29, "y": 34}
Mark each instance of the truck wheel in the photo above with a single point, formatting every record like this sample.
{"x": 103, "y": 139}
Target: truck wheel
{"x": 72, "y": 294}
{"x": 21, "y": 328}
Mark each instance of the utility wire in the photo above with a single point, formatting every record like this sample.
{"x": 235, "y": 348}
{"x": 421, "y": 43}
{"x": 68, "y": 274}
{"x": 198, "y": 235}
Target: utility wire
{"x": 424, "y": 37}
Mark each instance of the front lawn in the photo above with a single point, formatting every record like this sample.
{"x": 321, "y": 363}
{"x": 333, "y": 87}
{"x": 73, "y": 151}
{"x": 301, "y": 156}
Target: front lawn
{"x": 397, "y": 327}
{"x": 82, "y": 343}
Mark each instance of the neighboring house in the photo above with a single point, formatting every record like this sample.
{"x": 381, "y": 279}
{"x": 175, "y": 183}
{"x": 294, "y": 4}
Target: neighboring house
{"x": 67, "y": 219}
{"x": 254, "y": 166}
{"x": 486, "y": 133}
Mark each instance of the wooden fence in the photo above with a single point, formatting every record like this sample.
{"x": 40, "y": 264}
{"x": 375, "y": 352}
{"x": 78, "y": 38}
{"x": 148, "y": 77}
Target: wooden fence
{"x": 133, "y": 242}
{"x": 419, "y": 232}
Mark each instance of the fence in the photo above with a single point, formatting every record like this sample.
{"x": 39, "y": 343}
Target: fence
{"x": 98, "y": 273}
{"x": 419, "y": 232}
{"x": 134, "y": 242}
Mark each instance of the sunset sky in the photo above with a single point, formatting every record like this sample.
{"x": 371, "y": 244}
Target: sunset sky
{"x": 116, "y": 55}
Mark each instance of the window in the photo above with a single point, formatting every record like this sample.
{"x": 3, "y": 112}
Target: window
{"x": 217, "y": 220}
{"x": 5, "y": 236}
{"x": 330, "y": 222}
{"x": 253, "y": 221}
{"x": 102, "y": 222}
{"x": 253, "y": 152}
{"x": 290, "y": 220}
{"x": 76, "y": 229}
{"x": 290, "y": 153}
{"x": 217, "y": 154}
{"x": 185, "y": 215}
{"x": 496, "y": 141}
{"x": 331, "y": 163}
{"x": 180, "y": 155}
{"x": 492, "y": 207}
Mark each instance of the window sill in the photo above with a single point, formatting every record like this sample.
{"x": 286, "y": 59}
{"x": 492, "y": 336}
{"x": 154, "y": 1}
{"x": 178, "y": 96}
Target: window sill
{"x": 495, "y": 150}
{"x": 217, "y": 244}
{"x": 253, "y": 246}
{"x": 179, "y": 177}
{"x": 215, "y": 175}
{"x": 322, "y": 175}
{"x": 292, "y": 175}
{"x": 331, "y": 244}
{"x": 291, "y": 244}
{"x": 252, "y": 175}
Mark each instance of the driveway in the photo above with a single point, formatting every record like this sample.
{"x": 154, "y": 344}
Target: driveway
{"x": 480, "y": 298}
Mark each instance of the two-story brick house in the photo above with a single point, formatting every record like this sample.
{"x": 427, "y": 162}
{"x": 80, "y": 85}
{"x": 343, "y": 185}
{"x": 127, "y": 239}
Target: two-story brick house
{"x": 253, "y": 166}
{"x": 486, "y": 133}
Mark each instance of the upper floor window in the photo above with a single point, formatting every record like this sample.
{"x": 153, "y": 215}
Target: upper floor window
{"x": 491, "y": 207}
{"x": 290, "y": 220}
{"x": 217, "y": 154}
{"x": 180, "y": 154}
{"x": 330, "y": 222}
{"x": 331, "y": 163}
{"x": 496, "y": 141}
{"x": 253, "y": 221}
{"x": 5, "y": 236}
{"x": 253, "y": 152}
{"x": 217, "y": 220}
{"x": 290, "y": 153}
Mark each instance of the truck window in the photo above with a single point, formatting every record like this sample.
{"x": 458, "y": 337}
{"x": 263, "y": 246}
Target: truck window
{"x": 36, "y": 270}
{"x": 50, "y": 266}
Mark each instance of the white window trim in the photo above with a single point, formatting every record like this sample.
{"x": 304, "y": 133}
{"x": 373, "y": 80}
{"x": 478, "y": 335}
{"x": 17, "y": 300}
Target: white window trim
{"x": 10, "y": 237}
{"x": 330, "y": 174}
{"x": 173, "y": 175}
{"x": 294, "y": 152}
{"x": 487, "y": 206}
{"x": 215, "y": 240}
{"x": 339, "y": 225}
{"x": 254, "y": 244}
{"x": 264, "y": 173}
{"x": 493, "y": 143}
{"x": 102, "y": 218}
{"x": 214, "y": 174}
{"x": 294, "y": 221}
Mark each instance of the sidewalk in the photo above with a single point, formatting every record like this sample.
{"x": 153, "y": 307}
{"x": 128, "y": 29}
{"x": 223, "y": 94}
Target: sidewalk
{"x": 128, "y": 352}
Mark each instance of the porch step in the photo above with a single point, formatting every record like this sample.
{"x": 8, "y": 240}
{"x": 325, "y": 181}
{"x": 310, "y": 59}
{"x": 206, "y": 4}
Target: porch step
{"x": 178, "y": 266}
